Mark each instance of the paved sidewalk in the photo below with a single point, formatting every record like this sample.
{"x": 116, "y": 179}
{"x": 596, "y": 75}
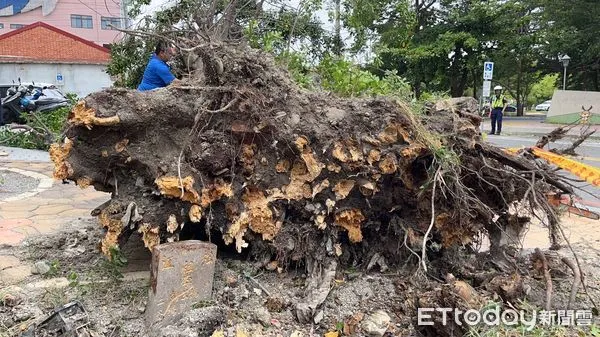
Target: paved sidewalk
{"x": 41, "y": 210}
{"x": 18, "y": 154}
{"x": 577, "y": 230}
{"x": 44, "y": 209}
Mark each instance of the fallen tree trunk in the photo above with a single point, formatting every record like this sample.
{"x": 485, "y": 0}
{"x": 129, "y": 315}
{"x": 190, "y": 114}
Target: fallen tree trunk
{"x": 245, "y": 154}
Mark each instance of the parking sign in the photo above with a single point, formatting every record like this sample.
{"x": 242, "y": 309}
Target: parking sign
{"x": 488, "y": 70}
{"x": 59, "y": 79}
{"x": 487, "y": 86}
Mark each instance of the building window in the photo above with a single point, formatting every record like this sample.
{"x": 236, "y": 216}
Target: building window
{"x": 81, "y": 21}
{"x": 109, "y": 23}
{"x": 1, "y": 26}
{"x": 16, "y": 26}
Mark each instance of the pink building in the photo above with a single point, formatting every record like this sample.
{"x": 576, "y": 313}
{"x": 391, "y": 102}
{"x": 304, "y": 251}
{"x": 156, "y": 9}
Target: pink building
{"x": 88, "y": 19}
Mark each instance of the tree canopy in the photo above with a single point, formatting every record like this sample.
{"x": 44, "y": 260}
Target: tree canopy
{"x": 435, "y": 46}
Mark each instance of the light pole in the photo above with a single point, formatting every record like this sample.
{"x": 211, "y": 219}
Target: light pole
{"x": 565, "y": 62}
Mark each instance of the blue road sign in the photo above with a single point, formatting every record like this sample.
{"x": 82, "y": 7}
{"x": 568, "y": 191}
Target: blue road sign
{"x": 488, "y": 70}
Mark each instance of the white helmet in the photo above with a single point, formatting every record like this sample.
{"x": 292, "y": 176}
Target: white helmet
{"x": 497, "y": 87}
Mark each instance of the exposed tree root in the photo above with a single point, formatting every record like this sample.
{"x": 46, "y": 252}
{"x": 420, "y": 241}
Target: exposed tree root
{"x": 547, "y": 277}
{"x": 580, "y": 271}
{"x": 576, "y": 280}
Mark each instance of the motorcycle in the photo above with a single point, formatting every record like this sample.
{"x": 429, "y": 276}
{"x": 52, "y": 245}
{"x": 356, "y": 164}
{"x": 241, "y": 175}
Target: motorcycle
{"x": 29, "y": 99}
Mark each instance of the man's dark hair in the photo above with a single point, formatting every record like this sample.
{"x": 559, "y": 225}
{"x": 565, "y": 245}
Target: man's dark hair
{"x": 160, "y": 47}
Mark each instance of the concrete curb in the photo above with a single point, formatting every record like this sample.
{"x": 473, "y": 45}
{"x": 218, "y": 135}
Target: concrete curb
{"x": 45, "y": 183}
{"x": 20, "y": 154}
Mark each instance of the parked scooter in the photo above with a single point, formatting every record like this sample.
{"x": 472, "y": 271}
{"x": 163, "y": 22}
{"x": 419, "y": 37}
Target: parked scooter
{"x": 30, "y": 99}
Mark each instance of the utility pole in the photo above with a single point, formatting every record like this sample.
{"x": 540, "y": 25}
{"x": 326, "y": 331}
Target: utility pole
{"x": 124, "y": 14}
{"x": 565, "y": 62}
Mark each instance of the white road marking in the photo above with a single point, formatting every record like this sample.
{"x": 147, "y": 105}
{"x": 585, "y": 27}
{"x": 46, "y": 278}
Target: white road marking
{"x": 587, "y": 143}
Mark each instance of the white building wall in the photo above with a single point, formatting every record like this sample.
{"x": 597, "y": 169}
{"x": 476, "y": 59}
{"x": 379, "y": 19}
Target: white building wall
{"x": 571, "y": 101}
{"x": 80, "y": 79}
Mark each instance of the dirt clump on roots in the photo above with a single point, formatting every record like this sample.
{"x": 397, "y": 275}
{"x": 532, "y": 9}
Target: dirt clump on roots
{"x": 243, "y": 157}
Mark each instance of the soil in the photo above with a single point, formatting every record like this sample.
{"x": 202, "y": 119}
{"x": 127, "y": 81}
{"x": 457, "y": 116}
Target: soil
{"x": 115, "y": 297}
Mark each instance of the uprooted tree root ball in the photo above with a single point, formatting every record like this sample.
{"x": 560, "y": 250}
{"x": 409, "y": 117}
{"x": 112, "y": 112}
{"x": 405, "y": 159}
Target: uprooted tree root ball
{"x": 240, "y": 155}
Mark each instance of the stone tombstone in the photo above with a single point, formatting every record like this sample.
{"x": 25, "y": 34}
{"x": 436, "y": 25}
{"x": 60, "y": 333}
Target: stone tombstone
{"x": 181, "y": 275}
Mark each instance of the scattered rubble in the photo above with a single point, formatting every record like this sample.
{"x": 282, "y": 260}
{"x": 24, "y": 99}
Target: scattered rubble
{"x": 116, "y": 306}
{"x": 376, "y": 324}
{"x": 316, "y": 292}
{"x": 40, "y": 267}
{"x": 262, "y": 316}
{"x": 70, "y": 320}
{"x": 196, "y": 322}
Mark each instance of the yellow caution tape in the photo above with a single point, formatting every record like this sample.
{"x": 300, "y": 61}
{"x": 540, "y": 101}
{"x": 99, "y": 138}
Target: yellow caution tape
{"x": 586, "y": 172}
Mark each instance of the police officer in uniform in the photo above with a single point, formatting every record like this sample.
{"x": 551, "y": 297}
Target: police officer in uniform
{"x": 498, "y": 105}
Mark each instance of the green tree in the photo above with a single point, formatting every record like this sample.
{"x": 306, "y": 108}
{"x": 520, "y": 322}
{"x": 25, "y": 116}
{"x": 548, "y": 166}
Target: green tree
{"x": 517, "y": 55}
{"x": 438, "y": 45}
{"x": 543, "y": 89}
{"x": 347, "y": 79}
{"x": 572, "y": 27}
{"x": 296, "y": 27}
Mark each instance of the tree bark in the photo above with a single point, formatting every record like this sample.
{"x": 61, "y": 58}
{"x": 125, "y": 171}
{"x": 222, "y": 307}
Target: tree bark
{"x": 475, "y": 83}
{"x": 417, "y": 87}
{"x": 458, "y": 74}
{"x": 337, "y": 29}
{"x": 519, "y": 87}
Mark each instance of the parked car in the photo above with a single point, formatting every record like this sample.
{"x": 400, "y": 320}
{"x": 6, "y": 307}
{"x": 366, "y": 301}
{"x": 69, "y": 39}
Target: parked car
{"x": 543, "y": 106}
{"x": 485, "y": 109}
{"x": 511, "y": 108}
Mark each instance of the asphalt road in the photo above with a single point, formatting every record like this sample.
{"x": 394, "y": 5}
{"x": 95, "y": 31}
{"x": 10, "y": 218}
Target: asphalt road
{"x": 589, "y": 152}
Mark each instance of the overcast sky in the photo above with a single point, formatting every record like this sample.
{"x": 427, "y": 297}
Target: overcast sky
{"x": 159, "y": 4}
{"x": 156, "y": 5}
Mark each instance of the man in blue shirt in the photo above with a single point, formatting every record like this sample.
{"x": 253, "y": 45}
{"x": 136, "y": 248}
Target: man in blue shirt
{"x": 157, "y": 73}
